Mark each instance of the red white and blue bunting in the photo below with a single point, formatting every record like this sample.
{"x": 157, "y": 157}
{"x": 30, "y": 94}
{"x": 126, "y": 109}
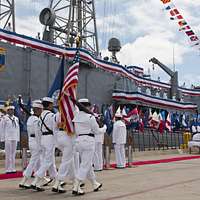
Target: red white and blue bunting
{"x": 86, "y": 55}
{"x": 137, "y": 97}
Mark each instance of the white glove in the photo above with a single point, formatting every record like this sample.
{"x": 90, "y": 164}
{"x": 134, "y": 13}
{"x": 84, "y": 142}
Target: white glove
{"x": 104, "y": 128}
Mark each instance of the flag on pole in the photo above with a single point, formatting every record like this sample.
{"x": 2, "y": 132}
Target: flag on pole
{"x": 161, "y": 127}
{"x": 68, "y": 93}
{"x": 168, "y": 122}
{"x": 57, "y": 85}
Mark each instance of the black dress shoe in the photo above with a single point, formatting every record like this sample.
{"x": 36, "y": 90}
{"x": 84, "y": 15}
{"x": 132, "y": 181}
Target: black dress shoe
{"x": 21, "y": 186}
{"x": 77, "y": 193}
{"x": 82, "y": 184}
{"x": 33, "y": 187}
{"x": 61, "y": 191}
{"x": 54, "y": 189}
{"x": 39, "y": 189}
{"x": 97, "y": 189}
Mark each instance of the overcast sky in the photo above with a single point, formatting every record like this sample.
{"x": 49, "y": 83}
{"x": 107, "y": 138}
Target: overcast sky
{"x": 144, "y": 29}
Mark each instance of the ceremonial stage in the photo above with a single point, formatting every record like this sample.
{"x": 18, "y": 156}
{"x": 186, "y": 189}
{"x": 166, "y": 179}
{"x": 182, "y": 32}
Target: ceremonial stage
{"x": 174, "y": 176}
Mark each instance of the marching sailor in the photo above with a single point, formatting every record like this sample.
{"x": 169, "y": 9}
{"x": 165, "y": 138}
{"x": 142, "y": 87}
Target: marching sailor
{"x": 119, "y": 140}
{"x": 10, "y": 135}
{"x": 34, "y": 144}
{"x": 65, "y": 143}
{"x": 85, "y": 128}
{"x": 46, "y": 123}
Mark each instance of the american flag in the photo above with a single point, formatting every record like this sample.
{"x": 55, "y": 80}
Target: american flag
{"x": 68, "y": 92}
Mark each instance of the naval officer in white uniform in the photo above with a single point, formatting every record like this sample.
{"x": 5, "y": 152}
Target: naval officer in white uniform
{"x": 48, "y": 141}
{"x": 34, "y": 144}
{"x": 86, "y": 128}
{"x": 10, "y": 135}
{"x": 119, "y": 135}
{"x": 65, "y": 143}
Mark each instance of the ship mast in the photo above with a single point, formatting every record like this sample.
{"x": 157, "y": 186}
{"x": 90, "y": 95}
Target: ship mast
{"x": 7, "y": 14}
{"x": 63, "y": 20}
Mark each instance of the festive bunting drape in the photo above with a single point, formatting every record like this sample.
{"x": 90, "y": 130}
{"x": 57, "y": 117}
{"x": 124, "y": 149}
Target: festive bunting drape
{"x": 86, "y": 55}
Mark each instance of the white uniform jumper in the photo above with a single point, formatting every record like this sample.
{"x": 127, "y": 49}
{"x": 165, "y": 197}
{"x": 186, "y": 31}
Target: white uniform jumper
{"x": 10, "y": 134}
{"x": 119, "y": 140}
{"x": 86, "y": 127}
{"x": 34, "y": 145}
{"x": 48, "y": 147}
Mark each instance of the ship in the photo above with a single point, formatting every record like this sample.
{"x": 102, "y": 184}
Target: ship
{"x": 31, "y": 65}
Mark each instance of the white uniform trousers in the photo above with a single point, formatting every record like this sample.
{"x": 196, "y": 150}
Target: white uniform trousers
{"x": 120, "y": 155}
{"x": 48, "y": 162}
{"x": 76, "y": 160}
{"x": 98, "y": 156}
{"x": 10, "y": 152}
{"x": 34, "y": 161}
{"x": 85, "y": 146}
{"x": 65, "y": 144}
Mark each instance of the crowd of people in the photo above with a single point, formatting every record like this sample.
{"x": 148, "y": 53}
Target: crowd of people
{"x": 81, "y": 152}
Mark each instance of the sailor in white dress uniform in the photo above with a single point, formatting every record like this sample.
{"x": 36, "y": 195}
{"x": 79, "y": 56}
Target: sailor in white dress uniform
{"x": 11, "y": 135}
{"x": 48, "y": 142}
{"x": 86, "y": 128}
{"x": 119, "y": 135}
{"x": 65, "y": 143}
{"x": 34, "y": 144}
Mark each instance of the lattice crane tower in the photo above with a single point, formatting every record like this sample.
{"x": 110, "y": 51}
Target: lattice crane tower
{"x": 65, "y": 20}
{"x": 7, "y": 14}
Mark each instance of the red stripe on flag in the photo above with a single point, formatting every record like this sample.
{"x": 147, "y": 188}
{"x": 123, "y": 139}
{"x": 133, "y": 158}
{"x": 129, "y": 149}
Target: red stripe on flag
{"x": 67, "y": 107}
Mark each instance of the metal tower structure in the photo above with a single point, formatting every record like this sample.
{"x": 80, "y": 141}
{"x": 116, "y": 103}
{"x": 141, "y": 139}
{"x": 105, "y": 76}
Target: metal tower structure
{"x": 7, "y": 14}
{"x": 65, "y": 20}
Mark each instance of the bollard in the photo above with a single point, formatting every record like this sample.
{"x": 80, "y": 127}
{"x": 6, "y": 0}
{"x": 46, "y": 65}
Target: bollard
{"x": 130, "y": 149}
{"x": 24, "y": 158}
{"x": 107, "y": 157}
{"x": 130, "y": 156}
{"x": 107, "y": 147}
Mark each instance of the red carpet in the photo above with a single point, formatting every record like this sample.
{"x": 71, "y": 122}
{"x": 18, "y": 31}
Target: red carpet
{"x": 167, "y": 160}
{"x": 146, "y": 162}
{"x": 9, "y": 176}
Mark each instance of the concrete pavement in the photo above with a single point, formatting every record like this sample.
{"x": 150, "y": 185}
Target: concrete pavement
{"x": 176, "y": 180}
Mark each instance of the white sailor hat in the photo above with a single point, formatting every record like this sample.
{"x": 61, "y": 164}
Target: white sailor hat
{"x": 37, "y": 105}
{"x": 37, "y": 101}
{"x": 118, "y": 115}
{"x": 48, "y": 99}
{"x": 84, "y": 100}
{"x": 10, "y": 107}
